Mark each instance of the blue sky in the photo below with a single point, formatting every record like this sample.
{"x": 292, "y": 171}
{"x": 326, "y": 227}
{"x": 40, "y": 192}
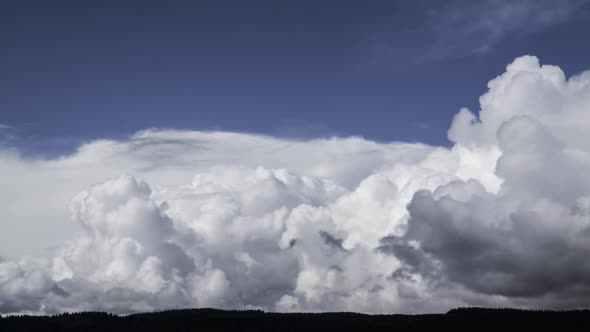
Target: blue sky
{"x": 74, "y": 71}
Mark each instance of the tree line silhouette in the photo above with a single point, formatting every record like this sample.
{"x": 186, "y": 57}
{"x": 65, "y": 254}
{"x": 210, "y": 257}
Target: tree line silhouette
{"x": 462, "y": 319}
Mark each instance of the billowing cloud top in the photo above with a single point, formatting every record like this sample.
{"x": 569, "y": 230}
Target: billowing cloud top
{"x": 215, "y": 219}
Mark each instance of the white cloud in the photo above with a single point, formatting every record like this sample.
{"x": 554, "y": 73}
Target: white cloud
{"x": 168, "y": 158}
{"x": 246, "y": 221}
{"x": 215, "y": 229}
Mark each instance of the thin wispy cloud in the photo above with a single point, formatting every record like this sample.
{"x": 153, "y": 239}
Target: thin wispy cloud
{"x": 461, "y": 27}
{"x": 7, "y": 135}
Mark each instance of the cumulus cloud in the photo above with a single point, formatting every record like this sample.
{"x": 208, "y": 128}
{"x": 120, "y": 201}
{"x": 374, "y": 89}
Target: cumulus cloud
{"x": 215, "y": 219}
{"x": 168, "y": 159}
{"x": 529, "y": 241}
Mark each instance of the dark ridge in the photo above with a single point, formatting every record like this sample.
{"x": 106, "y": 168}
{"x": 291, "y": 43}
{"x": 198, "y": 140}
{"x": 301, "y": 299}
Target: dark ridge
{"x": 461, "y": 319}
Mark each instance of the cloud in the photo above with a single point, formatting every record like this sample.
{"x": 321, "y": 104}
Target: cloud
{"x": 167, "y": 159}
{"x": 8, "y": 136}
{"x": 478, "y": 26}
{"x": 528, "y": 241}
{"x": 450, "y": 29}
{"x": 193, "y": 219}
{"x": 213, "y": 229}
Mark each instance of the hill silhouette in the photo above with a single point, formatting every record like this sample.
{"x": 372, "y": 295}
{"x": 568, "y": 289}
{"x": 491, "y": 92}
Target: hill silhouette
{"x": 463, "y": 319}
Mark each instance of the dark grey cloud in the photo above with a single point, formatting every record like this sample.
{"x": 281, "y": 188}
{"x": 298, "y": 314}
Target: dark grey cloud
{"x": 332, "y": 241}
{"x": 475, "y": 243}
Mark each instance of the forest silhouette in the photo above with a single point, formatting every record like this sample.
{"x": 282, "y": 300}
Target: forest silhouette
{"x": 462, "y": 319}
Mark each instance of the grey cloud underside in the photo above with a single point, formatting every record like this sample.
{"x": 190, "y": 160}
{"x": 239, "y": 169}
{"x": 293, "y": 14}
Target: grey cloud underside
{"x": 341, "y": 224}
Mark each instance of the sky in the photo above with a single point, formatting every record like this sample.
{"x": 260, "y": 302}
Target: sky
{"x": 377, "y": 157}
{"x": 385, "y": 70}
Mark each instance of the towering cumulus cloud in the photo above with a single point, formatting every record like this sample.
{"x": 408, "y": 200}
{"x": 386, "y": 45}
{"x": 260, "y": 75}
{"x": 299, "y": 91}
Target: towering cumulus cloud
{"x": 530, "y": 241}
{"x": 213, "y": 219}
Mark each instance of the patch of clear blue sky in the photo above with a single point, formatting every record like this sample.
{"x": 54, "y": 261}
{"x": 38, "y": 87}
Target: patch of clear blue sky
{"x": 72, "y": 71}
